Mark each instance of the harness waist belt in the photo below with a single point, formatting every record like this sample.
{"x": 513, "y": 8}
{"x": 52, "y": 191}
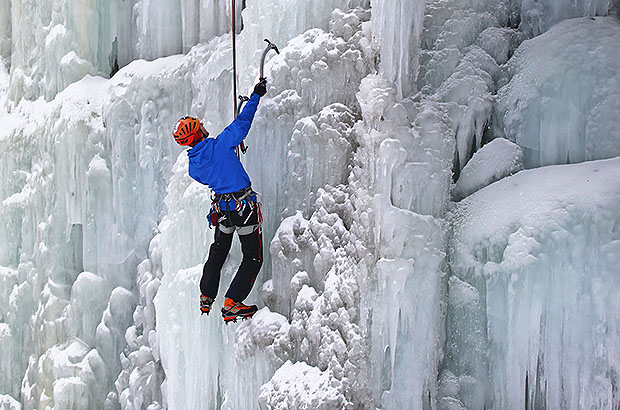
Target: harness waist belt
{"x": 238, "y": 195}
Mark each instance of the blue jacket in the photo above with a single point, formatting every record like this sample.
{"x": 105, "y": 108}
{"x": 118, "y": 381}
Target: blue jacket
{"x": 213, "y": 161}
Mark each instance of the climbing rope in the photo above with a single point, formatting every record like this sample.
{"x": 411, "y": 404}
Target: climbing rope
{"x": 242, "y": 148}
{"x": 234, "y": 52}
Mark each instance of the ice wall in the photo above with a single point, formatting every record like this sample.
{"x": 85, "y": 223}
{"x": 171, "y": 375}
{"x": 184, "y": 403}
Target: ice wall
{"x": 535, "y": 290}
{"x": 293, "y": 121}
{"x": 5, "y": 31}
{"x": 536, "y": 17}
{"x": 353, "y": 148}
{"x": 397, "y": 28}
{"x": 57, "y": 42}
{"x": 462, "y": 49}
{"x": 107, "y": 234}
{"x": 87, "y": 179}
{"x": 324, "y": 262}
{"x": 463, "y": 45}
{"x": 415, "y": 141}
{"x": 563, "y": 96}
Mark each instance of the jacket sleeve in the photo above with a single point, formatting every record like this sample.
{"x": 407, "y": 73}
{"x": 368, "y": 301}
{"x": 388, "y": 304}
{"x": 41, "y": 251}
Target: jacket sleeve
{"x": 239, "y": 128}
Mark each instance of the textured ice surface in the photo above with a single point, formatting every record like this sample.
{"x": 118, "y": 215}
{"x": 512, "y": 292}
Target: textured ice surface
{"x": 69, "y": 207}
{"x": 408, "y": 240}
{"x": 9, "y": 403}
{"x": 297, "y": 118}
{"x": 207, "y": 364}
{"x": 56, "y": 42}
{"x": 536, "y": 289}
{"x": 458, "y": 69}
{"x": 5, "y": 31}
{"x": 536, "y": 17}
{"x": 563, "y": 100}
{"x": 368, "y": 112}
{"x": 492, "y": 162}
{"x": 397, "y": 28}
{"x": 300, "y": 386}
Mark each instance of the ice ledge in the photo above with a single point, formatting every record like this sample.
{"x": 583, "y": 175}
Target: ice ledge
{"x": 533, "y": 202}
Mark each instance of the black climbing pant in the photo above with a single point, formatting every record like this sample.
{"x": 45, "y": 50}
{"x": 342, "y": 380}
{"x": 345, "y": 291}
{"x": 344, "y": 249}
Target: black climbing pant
{"x": 251, "y": 247}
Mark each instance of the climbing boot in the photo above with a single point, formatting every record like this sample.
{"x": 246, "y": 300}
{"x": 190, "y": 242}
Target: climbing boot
{"x": 205, "y": 304}
{"x": 236, "y": 310}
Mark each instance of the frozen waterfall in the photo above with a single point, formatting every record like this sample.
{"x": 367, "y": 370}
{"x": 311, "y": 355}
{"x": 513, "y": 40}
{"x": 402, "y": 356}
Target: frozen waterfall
{"x": 440, "y": 195}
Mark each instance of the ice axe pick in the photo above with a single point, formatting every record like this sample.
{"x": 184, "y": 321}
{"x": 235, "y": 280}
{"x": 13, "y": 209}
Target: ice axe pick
{"x": 270, "y": 46}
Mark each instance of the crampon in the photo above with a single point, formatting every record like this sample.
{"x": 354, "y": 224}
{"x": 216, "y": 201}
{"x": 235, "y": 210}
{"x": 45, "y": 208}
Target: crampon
{"x": 205, "y": 304}
{"x": 233, "y": 311}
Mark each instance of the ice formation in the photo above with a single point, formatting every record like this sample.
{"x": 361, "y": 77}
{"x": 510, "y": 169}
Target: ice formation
{"x": 9, "y": 403}
{"x": 565, "y": 83}
{"x": 378, "y": 290}
{"x": 549, "y": 300}
{"x": 494, "y": 161}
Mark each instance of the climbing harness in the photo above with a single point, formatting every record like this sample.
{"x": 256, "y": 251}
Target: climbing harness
{"x": 223, "y": 204}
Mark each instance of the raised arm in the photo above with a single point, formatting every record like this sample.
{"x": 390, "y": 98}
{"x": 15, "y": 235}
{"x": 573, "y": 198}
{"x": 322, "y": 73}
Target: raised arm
{"x": 239, "y": 128}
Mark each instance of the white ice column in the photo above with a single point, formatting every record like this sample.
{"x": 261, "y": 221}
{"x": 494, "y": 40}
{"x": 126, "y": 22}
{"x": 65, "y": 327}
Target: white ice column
{"x": 159, "y": 28}
{"x": 409, "y": 241}
{"x": 397, "y": 27}
{"x": 5, "y": 30}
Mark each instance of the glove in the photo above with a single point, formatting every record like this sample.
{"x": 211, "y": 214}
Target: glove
{"x": 261, "y": 87}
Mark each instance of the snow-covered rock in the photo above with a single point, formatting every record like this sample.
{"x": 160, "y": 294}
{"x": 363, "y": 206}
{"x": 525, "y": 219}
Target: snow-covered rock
{"x": 495, "y": 160}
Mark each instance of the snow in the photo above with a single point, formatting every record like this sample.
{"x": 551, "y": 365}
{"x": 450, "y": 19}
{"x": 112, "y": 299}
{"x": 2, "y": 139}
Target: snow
{"x": 561, "y": 104}
{"x": 9, "y": 403}
{"x": 377, "y": 290}
{"x": 300, "y": 386}
{"x": 492, "y": 162}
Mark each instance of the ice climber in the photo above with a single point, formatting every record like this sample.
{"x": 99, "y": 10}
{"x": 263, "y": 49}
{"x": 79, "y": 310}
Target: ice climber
{"x": 235, "y": 206}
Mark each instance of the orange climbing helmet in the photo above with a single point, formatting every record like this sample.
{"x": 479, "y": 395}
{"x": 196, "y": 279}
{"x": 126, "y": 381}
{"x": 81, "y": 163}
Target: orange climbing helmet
{"x": 187, "y": 130}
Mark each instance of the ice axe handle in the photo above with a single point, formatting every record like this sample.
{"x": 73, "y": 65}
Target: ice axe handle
{"x": 270, "y": 46}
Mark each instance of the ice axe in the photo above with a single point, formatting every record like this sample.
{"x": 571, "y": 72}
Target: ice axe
{"x": 270, "y": 46}
{"x": 242, "y": 98}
